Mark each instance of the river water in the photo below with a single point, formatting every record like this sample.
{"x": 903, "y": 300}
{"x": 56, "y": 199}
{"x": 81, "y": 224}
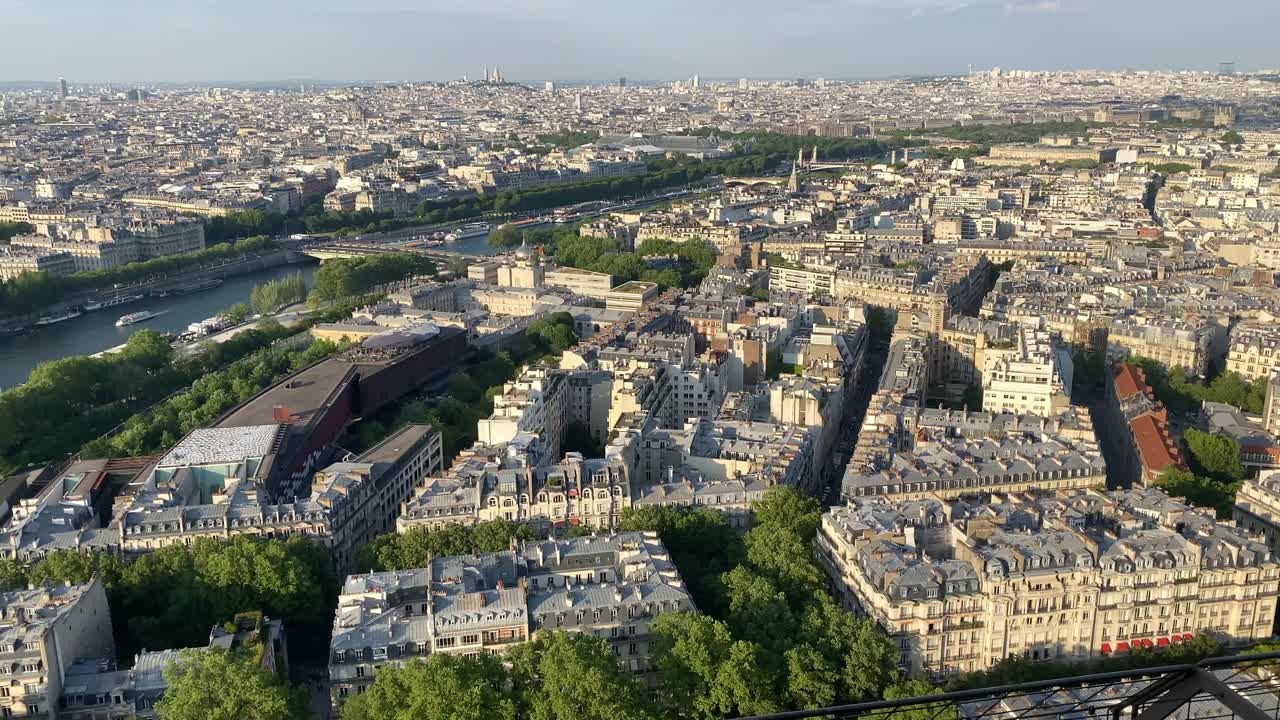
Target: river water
{"x": 96, "y": 331}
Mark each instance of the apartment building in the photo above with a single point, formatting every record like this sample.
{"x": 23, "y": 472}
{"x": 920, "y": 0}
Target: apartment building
{"x": 1254, "y": 351}
{"x": 1035, "y": 380}
{"x": 1271, "y": 405}
{"x": 1066, "y": 576}
{"x": 809, "y": 280}
{"x": 42, "y": 632}
{"x": 911, "y": 452}
{"x": 212, "y": 484}
{"x": 1257, "y": 507}
{"x": 86, "y": 253}
{"x": 16, "y": 260}
{"x": 1145, "y": 448}
{"x": 609, "y": 586}
{"x": 534, "y": 404}
{"x": 1187, "y": 344}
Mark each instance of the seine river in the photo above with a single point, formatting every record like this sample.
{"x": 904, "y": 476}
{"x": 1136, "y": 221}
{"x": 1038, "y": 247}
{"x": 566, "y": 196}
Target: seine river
{"x": 96, "y": 331}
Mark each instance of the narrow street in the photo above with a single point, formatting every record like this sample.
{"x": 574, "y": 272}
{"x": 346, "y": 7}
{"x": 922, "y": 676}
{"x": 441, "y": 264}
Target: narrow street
{"x": 855, "y": 411}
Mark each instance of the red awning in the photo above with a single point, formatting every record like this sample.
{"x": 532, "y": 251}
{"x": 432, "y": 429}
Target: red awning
{"x": 1162, "y": 642}
{"x": 1146, "y": 642}
{"x": 1106, "y": 648}
{"x": 1122, "y": 647}
{"x": 1187, "y": 636}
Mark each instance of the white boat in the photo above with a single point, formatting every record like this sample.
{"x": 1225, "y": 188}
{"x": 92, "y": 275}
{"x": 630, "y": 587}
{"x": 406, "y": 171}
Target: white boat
{"x": 469, "y": 230}
{"x": 54, "y": 319}
{"x": 111, "y": 302}
{"x": 140, "y": 316}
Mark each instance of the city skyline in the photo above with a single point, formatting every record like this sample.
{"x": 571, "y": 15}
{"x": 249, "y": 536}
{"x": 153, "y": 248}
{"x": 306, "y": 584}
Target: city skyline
{"x": 569, "y": 41}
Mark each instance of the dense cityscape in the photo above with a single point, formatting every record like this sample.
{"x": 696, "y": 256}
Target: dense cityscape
{"x": 709, "y": 398}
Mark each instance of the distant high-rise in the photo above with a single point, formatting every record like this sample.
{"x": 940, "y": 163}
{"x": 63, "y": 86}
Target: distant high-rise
{"x": 62, "y": 87}
{"x": 821, "y": 83}
{"x": 1226, "y": 68}
{"x": 694, "y": 82}
{"x": 622, "y": 81}
{"x": 577, "y": 102}
{"x": 549, "y": 86}
{"x": 486, "y": 73}
{"x": 743, "y": 84}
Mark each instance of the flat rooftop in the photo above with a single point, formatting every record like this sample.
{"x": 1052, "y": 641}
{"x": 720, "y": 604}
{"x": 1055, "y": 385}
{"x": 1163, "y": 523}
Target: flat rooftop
{"x": 390, "y": 449}
{"x": 637, "y": 287}
{"x": 304, "y": 395}
{"x": 206, "y": 446}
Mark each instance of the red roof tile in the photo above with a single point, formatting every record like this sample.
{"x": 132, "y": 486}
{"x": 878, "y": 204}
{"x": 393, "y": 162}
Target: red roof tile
{"x": 1156, "y": 447}
{"x": 1129, "y": 381}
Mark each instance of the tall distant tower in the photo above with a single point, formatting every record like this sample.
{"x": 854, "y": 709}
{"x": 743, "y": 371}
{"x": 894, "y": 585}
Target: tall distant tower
{"x": 743, "y": 84}
{"x": 695, "y": 81}
{"x": 486, "y": 73}
{"x": 622, "y": 82}
{"x": 1226, "y": 68}
{"x": 577, "y": 102}
{"x": 549, "y": 86}
{"x": 62, "y": 88}
{"x": 793, "y": 184}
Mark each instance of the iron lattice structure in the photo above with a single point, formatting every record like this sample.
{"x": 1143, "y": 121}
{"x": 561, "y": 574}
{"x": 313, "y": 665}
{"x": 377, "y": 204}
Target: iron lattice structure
{"x": 1246, "y": 687}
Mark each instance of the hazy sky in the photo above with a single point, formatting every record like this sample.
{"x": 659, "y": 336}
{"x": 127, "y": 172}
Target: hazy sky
{"x": 588, "y": 40}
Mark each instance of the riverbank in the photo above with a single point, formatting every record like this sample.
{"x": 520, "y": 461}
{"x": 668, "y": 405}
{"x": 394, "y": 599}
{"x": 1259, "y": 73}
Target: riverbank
{"x": 95, "y": 332}
{"x": 162, "y": 285}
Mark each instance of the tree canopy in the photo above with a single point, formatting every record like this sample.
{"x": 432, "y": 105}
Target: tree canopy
{"x": 344, "y": 278}
{"x": 1215, "y": 455}
{"x": 32, "y": 291}
{"x": 415, "y": 547}
{"x": 443, "y": 687}
{"x": 69, "y": 402}
{"x": 558, "y": 676}
{"x": 771, "y": 637}
{"x": 222, "y": 685}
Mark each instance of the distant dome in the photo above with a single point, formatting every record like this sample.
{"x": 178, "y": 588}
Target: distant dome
{"x": 523, "y": 252}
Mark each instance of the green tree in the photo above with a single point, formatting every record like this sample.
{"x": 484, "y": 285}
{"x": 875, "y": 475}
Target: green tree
{"x": 13, "y": 574}
{"x": 702, "y": 544}
{"x": 1231, "y": 137}
{"x": 171, "y": 596}
{"x": 553, "y": 334}
{"x": 237, "y": 313}
{"x": 415, "y": 547}
{"x": 444, "y": 687}
{"x": 706, "y": 674}
{"x": 1200, "y": 491}
{"x": 574, "y": 676}
{"x": 811, "y": 681}
{"x": 63, "y": 566}
{"x": 1172, "y": 168}
{"x": 1215, "y": 454}
{"x": 219, "y": 685}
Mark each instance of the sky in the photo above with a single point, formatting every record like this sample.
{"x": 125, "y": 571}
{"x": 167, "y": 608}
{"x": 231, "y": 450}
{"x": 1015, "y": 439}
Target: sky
{"x": 596, "y": 40}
